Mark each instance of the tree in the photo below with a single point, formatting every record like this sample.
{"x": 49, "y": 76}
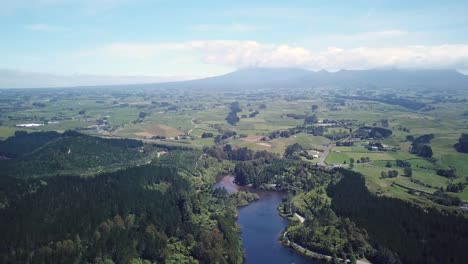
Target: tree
{"x": 392, "y": 174}
{"x": 292, "y": 149}
{"x": 142, "y": 115}
{"x": 408, "y": 171}
{"x": 422, "y": 150}
{"x": 207, "y": 135}
{"x": 462, "y": 145}
{"x": 388, "y": 164}
{"x": 232, "y": 118}
{"x": 311, "y": 120}
{"x": 314, "y": 107}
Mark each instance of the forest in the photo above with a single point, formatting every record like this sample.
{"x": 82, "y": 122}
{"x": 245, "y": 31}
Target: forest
{"x": 145, "y": 214}
{"x": 51, "y": 153}
{"x": 417, "y": 235}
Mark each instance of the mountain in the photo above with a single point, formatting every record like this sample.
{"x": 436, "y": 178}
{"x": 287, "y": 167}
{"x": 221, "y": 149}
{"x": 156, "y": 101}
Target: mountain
{"x": 270, "y": 78}
{"x": 265, "y": 78}
{"x": 243, "y": 79}
{"x": 398, "y": 78}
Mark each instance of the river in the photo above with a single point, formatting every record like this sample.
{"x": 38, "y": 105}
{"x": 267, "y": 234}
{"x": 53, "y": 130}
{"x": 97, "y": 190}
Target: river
{"x": 262, "y": 226}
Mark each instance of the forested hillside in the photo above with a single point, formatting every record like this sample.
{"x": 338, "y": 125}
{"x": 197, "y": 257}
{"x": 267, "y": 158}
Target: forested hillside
{"x": 417, "y": 235}
{"x": 149, "y": 213}
{"x": 51, "y": 153}
{"x": 23, "y": 143}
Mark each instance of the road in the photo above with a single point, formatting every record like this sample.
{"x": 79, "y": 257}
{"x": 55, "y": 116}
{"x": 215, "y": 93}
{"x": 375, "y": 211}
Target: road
{"x": 321, "y": 161}
{"x": 193, "y": 123}
{"x": 326, "y": 151}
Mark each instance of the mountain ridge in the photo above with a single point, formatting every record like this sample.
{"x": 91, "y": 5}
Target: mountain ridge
{"x": 284, "y": 77}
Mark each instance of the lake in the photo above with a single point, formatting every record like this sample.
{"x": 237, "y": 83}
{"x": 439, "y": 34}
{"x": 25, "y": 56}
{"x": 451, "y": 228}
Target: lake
{"x": 262, "y": 226}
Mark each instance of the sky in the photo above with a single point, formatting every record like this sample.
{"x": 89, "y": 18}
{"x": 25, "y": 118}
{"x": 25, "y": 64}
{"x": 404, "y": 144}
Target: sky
{"x": 102, "y": 40}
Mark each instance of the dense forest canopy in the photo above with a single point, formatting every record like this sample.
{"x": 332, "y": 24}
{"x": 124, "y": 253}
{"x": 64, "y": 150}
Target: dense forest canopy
{"x": 149, "y": 212}
{"x": 417, "y": 235}
{"x": 70, "y": 152}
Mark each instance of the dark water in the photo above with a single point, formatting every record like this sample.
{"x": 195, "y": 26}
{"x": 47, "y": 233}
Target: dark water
{"x": 261, "y": 227}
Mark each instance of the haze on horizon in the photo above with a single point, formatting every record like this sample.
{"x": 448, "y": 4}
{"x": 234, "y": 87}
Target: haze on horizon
{"x": 94, "y": 42}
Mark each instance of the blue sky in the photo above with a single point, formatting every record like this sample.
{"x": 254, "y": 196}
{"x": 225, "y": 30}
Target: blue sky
{"x": 200, "y": 38}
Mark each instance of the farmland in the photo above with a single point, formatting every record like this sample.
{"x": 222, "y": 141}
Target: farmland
{"x": 198, "y": 120}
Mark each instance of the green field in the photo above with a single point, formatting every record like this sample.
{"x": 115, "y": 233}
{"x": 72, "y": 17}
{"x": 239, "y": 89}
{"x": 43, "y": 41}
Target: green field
{"x": 176, "y": 118}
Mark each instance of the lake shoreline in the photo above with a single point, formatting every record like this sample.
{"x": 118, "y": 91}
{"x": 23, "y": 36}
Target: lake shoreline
{"x": 262, "y": 226}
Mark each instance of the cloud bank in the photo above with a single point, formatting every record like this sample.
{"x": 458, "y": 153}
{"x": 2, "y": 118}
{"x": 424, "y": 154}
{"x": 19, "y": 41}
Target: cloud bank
{"x": 239, "y": 54}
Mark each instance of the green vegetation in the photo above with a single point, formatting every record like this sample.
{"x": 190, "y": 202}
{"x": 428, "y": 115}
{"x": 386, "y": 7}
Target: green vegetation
{"x": 232, "y": 117}
{"x": 50, "y": 153}
{"x": 151, "y": 155}
{"x": 416, "y": 234}
{"x": 151, "y": 213}
{"x": 325, "y": 232}
{"x": 462, "y": 145}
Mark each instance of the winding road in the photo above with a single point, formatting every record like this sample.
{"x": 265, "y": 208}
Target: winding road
{"x": 195, "y": 126}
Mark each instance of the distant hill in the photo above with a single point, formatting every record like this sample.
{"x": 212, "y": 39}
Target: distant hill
{"x": 299, "y": 78}
{"x": 396, "y": 78}
{"x": 289, "y": 78}
{"x": 243, "y": 79}
{"x": 67, "y": 153}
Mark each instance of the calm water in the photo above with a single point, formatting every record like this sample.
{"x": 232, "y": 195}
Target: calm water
{"x": 261, "y": 227}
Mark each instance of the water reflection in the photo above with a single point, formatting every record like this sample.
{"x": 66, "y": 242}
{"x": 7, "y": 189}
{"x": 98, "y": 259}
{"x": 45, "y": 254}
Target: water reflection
{"x": 262, "y": 226}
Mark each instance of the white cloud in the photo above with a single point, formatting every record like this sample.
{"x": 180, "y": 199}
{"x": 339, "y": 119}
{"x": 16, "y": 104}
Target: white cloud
{"x": 44, "y": 27}
{"x": 225, "y": 27}
{"x": 239, "y": 54}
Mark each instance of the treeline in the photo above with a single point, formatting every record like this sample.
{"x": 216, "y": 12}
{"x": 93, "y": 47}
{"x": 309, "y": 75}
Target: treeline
{"x": 227, "y": 152}
{"x": 389, "y": 100}
{"x": 415, "y": 234}
{"x": 147, "y": 213}
{"x": 314, "y": 130}
{"x": 224, "y": 136}
{"x": 115, "y": 142}
{"x": 419, "y": 145}
{"x": 373, "y": 132}
{"x": 462, "y": 145}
